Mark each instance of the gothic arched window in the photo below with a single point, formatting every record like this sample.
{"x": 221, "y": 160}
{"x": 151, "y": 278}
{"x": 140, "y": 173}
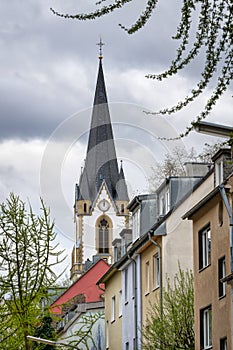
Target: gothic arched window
{"x": 103, "y": 236}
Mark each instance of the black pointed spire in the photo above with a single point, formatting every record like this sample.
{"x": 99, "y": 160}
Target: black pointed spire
{"x": 101, "y": 162}
{"x": 122, "y": 192}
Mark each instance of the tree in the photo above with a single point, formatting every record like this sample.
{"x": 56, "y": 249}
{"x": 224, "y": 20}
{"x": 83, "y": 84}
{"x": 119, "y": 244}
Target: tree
{"x": 172, "y": 165}
{"x": 46, "y": 331}
{"x": 213, "y": 38}
{"x": 172, "y": 327}
{"x": 27, "y": 257}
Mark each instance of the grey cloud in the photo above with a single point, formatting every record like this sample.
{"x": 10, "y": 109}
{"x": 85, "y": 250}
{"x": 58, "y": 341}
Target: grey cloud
{"x": 33, "y": 41}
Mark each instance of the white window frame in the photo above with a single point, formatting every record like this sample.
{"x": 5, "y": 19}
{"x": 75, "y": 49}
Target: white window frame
{"x": 113, "y": 309}
{"x": 126, "y": 291}
{"x": 162, "y": 205}
{"x": 156, "y": 271}
{"x": 147, "y": 276}
{"x": 107, "y": 335}
{"x": 167, "y": 201}
{"x": 222, "y": 266}
{"x": 219, "y": 172}
{"x": 207, "y": 328}
{"x": 136, "y": 224}
{"x": 205, "y": 237}
{"x": 120, "y": 304}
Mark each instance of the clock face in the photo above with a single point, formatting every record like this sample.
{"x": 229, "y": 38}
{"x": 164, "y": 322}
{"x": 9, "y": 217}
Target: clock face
{"x": 104, "y": 205}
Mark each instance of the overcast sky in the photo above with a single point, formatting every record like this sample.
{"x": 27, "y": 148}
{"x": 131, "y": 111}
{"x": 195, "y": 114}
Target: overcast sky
{"x": 48, "y": 68}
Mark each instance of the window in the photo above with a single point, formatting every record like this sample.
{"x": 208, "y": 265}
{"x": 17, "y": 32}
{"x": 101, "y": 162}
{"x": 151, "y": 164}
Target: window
{"x": 136, "y": 224}
{"x": 220, "y": 213}
{"x": 122, "y": 208}
{"x": 126, "y": 285}
{"x": 107, "y": 336}
{"x": 162, "y": 206}
{"x": 206, "y": 328}
{"x": 221, "y": 274}
{"x": 167, "y": 201}
{"x": 120, "y": 304}
{"x": 219, "y": 172}
{"x": 85, "y": 207}
{"x": 127, "y": 346}
{"x": 103, "y": 237}
{"x": 113, "y": 309}
{"x": 223, "y": 344}
{"x": 204, "y": 247}
{"x": 156, "y": 272}
{"x": 147, "y": 275}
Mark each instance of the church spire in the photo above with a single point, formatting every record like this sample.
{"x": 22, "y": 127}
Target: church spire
{"x": 122, "y": 191}
{"x": 101, "y": 163}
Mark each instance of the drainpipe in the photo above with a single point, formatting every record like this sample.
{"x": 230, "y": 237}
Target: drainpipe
{"x": 229, "y": 211}
{"x": 135, "y": 300}
{"x": 160, "y": 272}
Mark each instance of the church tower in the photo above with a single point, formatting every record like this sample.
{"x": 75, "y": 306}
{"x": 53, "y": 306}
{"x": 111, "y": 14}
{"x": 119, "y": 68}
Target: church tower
{"x": 101, "y": 196}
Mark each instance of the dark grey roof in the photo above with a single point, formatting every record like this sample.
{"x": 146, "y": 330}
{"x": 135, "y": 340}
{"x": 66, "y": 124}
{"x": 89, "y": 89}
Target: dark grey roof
{"x": 101, "y": 162}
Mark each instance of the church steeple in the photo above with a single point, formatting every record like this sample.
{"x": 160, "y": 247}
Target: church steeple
{"x": 101, "y": 197}
{"x": 101, "y": 161}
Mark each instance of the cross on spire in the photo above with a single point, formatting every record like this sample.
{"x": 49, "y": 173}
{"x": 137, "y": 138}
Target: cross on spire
{"x": 100, "y": 44}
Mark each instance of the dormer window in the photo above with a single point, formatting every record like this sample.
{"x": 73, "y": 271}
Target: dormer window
{"x": 167, "y": 201}
{"x": 136, "y": 224}
{"x": 219, "y": 172}
{"x": 222, "y": 165}
{"x": 162, "y": 206}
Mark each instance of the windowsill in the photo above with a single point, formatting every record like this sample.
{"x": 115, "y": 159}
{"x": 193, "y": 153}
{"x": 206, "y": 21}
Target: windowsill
{"x": 126, "y": 302}
{"x": 120, "y": 316}
{"x": 146, "y": 293}
{"x": 222, "y": 297}
{"x": 200, "y": 270}
{"x": 113, "y": 321}
{"x": 155, "y": 288}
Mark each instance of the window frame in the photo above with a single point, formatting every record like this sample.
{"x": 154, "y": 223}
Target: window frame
{"x": 219, "y": 172}
{"x": 113, "y": 308}
{"x": 221, "y": 274}
{"x": 204, "y": 242}
{"x": 156, "y": 271}
{"x": 206, "y": 328}
{"x": 126, "y": 289}
{"x": 162, "y": 205}
{"x": 147, "y": 276}
{"x": 136, "y": 223}
{"x": 120, "y": 304}
{"x": 223, "y": 343}
{"x": 167, "y": 201}
{"x": 107, "y": 335}
{"x": 104, "y": 236}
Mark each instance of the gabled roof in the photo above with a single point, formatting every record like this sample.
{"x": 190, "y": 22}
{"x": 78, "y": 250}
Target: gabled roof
{"x": 108, "y": 192}
{"x": 86, "y": 285}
